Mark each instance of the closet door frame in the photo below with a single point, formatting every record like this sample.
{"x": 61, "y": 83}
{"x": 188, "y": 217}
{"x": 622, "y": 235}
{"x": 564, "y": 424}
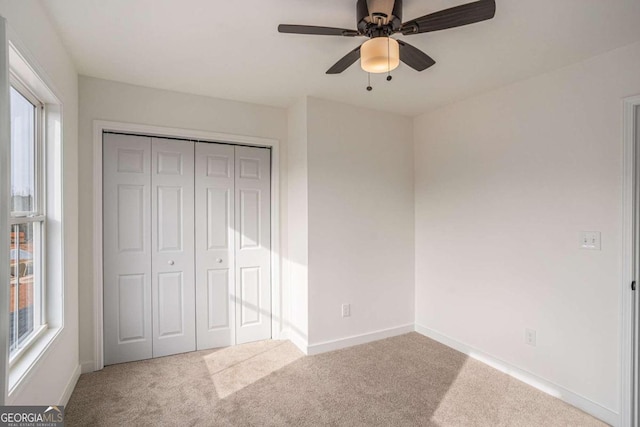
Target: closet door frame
{"x": 101, "y": 126}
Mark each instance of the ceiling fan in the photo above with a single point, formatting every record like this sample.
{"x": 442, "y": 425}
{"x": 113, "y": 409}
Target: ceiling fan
{"x": 380, "y": 19}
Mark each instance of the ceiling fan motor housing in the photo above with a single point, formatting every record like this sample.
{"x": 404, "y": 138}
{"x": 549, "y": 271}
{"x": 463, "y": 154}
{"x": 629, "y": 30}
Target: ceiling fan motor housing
{"x": 379, "y": 18}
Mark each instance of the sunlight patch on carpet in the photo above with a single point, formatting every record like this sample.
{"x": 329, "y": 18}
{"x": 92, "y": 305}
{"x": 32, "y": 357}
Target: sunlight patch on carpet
{"x": 231, "y": 371}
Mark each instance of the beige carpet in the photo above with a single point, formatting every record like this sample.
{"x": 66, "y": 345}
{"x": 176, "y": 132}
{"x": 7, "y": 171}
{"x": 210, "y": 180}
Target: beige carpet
{"x": 408, "y": 380}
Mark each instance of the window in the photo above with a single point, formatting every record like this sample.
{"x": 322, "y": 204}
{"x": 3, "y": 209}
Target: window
{"x": 36, "y": 227}
{"x": 27, "y": 221}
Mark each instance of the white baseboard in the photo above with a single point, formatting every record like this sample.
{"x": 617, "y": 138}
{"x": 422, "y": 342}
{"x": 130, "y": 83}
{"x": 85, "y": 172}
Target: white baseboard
{"x": 574, "y": 399}
{"x": 66, "y": 394}
{"x": 296, "y": 339}
{"x": 279, "y": 335}
{"x": 88, "y": 366}
{"x": 325, "y": 346}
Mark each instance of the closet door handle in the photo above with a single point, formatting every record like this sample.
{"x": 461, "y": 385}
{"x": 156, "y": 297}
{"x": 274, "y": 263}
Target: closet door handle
{"x": 219, "y": 260}
{"x": 171, "y": 262}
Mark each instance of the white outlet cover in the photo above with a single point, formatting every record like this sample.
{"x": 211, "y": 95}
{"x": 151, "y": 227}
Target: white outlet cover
{"x": 530, "y": 337}
{"x": 590, "y": 240}
{"x": 346, "y": 310}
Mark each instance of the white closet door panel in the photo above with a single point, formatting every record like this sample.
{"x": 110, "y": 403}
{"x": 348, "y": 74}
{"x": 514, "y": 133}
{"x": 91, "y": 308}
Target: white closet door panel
{"x": 250, "y": 296}
{"x": 127, "y": 248}
{"x": 170, "y": 220}
{"x": 253, "y": 250}
{"x": 215, "y": 278}
{"x": 250, "y": 218}
{"x": 218, "y": 219}
{"x": 172, "y": 224}
{"x": 131, "y": 303}
{"x": 131, "y": 216}
{"x": 170, "y": 291}
{"x": 218, "y": 299}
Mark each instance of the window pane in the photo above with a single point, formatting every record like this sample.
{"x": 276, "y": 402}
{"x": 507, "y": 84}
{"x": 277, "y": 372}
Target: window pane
{"x": 23, "y": 119}
{"x": 24, "y": 298}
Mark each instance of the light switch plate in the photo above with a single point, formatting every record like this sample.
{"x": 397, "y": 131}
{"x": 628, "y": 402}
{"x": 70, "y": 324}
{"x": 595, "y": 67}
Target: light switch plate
{"x": 590, "y": 240}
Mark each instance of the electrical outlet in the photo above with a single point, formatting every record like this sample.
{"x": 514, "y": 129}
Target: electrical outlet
{"x": 346, "y": 310}
{"x": 530, "y": 337}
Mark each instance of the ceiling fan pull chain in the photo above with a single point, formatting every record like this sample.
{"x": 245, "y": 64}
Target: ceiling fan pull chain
{"x": 369, "y": 88}
{"x": 389, "y": 59}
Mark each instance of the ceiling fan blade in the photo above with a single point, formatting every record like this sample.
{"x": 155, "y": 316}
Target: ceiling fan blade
{"x": 319, "y": 31}
{"x": 465, "y": 14}
{"x": 345, "y": 62}
{"x": 414, "y": 57}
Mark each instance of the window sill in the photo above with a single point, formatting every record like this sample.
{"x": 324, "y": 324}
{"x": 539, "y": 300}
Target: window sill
{"x": 22, "y": 367}
{"x": 15, "y": 358}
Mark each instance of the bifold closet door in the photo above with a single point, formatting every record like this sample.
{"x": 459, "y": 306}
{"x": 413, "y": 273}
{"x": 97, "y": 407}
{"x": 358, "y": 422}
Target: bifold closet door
{"x": 233, "y": 244}
{"x": 127, "y": 248}
{"x": 187, "y": 246}
{"x": 149, "y": 285}
{"x": 172, "y": 243}
{"x": 215, "y": 241}
{"x": 253, "y": 243}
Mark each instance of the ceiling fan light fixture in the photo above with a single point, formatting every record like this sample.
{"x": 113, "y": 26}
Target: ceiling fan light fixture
{"x": 380, "y": 55}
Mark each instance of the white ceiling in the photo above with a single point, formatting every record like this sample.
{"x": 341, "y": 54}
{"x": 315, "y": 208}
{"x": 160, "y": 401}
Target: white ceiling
{"x": 232, "y": 50}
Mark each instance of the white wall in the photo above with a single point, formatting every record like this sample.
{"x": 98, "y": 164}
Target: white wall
{"x": 504, "y": 183}
{"x": 361, "y": 224}
{"x": 298, "y": 217}
{"x": 373, "y": 228}
{"x": 31, "y": 31}
{"x": 112, "y": 101}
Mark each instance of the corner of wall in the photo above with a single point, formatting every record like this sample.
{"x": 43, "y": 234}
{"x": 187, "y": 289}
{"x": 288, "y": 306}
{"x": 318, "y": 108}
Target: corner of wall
{"x": 296, "y": 285}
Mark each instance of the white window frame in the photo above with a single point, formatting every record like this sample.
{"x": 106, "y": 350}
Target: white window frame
{"x": 37, "y": 215}
{"x": 24, "y": 72}
{"x": 40, "y": 163}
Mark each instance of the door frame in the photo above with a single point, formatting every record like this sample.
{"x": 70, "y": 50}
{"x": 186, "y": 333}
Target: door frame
{"x": 101, "y": 126}
{"x": 629, "y": 316}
